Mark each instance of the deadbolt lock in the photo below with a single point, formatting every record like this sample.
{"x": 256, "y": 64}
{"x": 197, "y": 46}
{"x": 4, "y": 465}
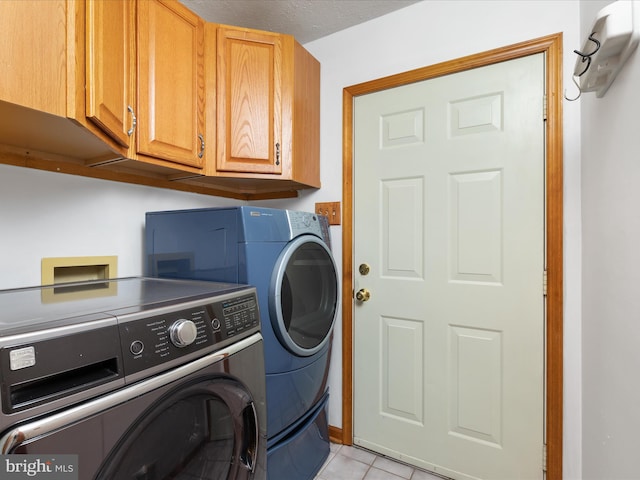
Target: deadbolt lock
{"x": 364, "y": 269}
{"x": 363, "y": 295}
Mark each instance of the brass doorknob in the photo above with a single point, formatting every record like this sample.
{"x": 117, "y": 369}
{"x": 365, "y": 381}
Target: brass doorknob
{"x": 363, "y": 295}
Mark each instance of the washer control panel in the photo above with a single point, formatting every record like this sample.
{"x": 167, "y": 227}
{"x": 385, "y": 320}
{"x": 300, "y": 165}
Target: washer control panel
{"x": 169, "y": 336}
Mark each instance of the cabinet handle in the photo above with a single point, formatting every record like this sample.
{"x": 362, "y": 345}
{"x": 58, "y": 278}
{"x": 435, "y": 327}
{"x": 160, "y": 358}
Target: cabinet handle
{"x": 277, "y": 154}
{"x": 134, "y": 120}
{"x": 201, "y": 152}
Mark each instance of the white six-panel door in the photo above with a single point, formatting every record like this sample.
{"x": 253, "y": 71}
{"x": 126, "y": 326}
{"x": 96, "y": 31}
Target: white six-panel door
{"x": 449, "y": 218}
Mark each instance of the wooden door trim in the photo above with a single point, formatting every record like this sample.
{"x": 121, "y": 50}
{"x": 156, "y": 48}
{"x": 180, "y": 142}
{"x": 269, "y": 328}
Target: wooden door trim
{"x": 551, "y": 46}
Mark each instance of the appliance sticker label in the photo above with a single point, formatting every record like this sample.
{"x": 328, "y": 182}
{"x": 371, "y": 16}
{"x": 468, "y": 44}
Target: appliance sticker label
{"x": 22, "y": 358}
{"x": 51, "y": 467}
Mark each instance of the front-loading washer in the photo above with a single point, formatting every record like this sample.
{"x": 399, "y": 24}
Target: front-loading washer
{"x": 285, "y": 254}
{"x": 136, "y": 378}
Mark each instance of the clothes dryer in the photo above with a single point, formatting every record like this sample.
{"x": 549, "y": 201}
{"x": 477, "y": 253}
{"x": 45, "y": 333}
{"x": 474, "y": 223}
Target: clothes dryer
{"x": 285, "y": 254}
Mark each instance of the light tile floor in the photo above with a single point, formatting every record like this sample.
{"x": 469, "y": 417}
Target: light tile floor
{"x": 349, "y": 463}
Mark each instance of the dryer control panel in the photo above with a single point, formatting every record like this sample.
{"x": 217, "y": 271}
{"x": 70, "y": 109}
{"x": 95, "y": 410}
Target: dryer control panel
{"x": 302, "y": 223}
{"x": 165, "y": 338}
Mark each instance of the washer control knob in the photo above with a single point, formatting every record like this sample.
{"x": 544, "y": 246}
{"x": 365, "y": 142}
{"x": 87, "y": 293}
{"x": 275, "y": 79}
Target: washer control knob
{"x": 183, "y": 333}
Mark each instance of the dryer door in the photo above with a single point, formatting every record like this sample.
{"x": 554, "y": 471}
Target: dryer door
{"x": 304, "y": 295}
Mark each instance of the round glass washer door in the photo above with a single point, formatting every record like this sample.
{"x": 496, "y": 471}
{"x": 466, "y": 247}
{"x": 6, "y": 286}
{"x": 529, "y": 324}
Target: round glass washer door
{"x": 304, "y": 295}
{"x": 206, "y": 429}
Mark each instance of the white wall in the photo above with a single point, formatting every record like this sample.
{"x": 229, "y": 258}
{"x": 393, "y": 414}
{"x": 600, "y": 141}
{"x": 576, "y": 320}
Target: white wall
{"x": 435, "y": 31}
{"x": 45, "y": 214}
{"x": 611, "y": 277}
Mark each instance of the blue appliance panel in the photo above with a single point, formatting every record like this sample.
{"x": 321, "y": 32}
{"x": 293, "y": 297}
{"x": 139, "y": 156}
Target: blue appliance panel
{"x": 300, "y": 456}
{"x": 263, "y": 225}
{"x": 291, "y": 394}
{"x": 193, "y": 244}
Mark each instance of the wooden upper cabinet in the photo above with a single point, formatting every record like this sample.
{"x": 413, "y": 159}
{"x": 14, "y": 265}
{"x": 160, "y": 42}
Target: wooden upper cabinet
{"x": 110, "y": 68}
{"x": 268, "y": 109}
{"x": 171, "y": 96}
{"x": 249, "y": 99}
{"x": 33, "y": 54}
{"x": 301, "y": 114}
{"x": 145, "y": 91}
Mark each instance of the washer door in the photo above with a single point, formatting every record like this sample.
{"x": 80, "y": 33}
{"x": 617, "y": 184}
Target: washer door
{"x": 206, "y": 429}
{"x": 304, "y": 294}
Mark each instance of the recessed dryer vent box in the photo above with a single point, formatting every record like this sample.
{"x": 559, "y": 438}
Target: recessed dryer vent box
{"x": 77, "y": 269}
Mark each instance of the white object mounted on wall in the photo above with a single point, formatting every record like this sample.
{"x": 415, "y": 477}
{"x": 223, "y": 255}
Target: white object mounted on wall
{"x": 613, "y": 38}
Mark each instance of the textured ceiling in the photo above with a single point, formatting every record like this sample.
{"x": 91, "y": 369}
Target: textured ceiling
{"x": 306, "y": 20}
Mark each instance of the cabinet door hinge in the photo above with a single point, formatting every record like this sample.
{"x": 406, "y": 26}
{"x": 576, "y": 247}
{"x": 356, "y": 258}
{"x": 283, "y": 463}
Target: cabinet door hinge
{"x": 544, "y": 108}
{"x": 544, "y": 457}
{"x": 544, "y": 283}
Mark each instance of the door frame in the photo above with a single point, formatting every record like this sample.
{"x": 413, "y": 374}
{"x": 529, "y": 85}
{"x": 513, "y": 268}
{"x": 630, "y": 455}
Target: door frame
{"x": 551, "y": 46}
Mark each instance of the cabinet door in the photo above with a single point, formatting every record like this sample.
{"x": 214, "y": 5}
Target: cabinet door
{"x": 33, "y": 54}
{"x": 110, "y": 68}
{"x": 170, "y": 82}
{"x": 249, "y": 101}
